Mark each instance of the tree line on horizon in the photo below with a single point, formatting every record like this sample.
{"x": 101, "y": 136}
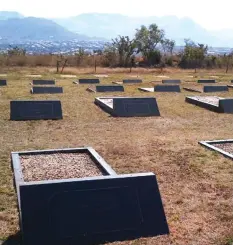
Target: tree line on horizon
{"x": 148, "y": 48}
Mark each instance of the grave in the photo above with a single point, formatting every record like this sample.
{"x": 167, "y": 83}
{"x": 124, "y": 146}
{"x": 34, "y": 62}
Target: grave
{"x": 207, "y": 89}
{"x": 225, "y": 147}
{"x": 43, "y": 82}
{"x": 167, "y": 88}
{"x": 211, "y": 89}
{"x": 3, "y": 82}
{"x": 87, "y": 81}
{"x": 213, "y": 103}
{"x": 106, "y": 88}
{"x": 35, "y": 110}
{"x": 190, "y": 89}
{"x": 206, "y": 81}
{"x": 129, "y": 106}
{"x": 85, "y": 202}
{"x": 33, "y": 75}
{"x": 46, "y": 90}
{"x": 162, "y": 88}
{"x": 171, "y": 81}
{"x": 132, "y": 81}
{"x": 68, "y": 76}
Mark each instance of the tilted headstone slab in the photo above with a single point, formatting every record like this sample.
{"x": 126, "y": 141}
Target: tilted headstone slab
{"x": 167, "y": 88}
{"x": 35, "y": 110}
{"x": 206, "y": 81}
{"x": 132, "y": 81}
{"x": 209, "y": 89}
{"x": 3, "y": 83}
{"x": 89, "y": 81}
{"x": 43, "y": 82}
{"x": 109, "y": 88}
{"x": 135, "y": 107}
{"x": 47, "y": 90}
{"x": 88, "y": 211}
{"x": 171, "y": 81}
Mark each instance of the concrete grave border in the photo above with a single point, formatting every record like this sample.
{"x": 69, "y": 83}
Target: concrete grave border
{"x": 145, "y": 203}
{"x": 225, "y": 104}
{"x": 208, "y": 145}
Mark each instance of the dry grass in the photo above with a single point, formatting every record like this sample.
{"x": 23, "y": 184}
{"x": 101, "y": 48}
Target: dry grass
{"x": 196, "y": 184}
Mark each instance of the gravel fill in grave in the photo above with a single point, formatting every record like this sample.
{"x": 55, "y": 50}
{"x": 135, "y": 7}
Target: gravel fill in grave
{"x": 58, "y": 166}
{"x": 227, "y": 147}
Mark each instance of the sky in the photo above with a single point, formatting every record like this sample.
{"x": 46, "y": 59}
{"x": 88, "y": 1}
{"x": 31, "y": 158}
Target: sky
{"x": 211, "y": 14}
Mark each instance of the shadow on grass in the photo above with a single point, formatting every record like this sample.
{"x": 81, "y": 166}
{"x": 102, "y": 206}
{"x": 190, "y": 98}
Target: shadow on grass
{"x": 12, "y": 240}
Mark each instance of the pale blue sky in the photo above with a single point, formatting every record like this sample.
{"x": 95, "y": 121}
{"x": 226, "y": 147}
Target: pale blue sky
{"x": 211, "y": 14}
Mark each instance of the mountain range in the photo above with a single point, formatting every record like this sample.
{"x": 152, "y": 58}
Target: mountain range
{"x": 14, "y": 26}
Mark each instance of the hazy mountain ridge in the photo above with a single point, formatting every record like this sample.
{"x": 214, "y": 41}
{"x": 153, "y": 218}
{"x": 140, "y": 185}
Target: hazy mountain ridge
{"x": 112, "y": 25}
{"x": 31, "y": 28}
{"x": 15, "y": 26}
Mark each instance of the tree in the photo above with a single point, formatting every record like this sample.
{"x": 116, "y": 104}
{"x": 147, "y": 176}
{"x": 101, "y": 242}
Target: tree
{"x": 122, "y": 47}
{"x": 168, "y": 46}
{"x": 147, "y": 40}
{"x": 16, "y": 51}
{"x": 193, "y": 55}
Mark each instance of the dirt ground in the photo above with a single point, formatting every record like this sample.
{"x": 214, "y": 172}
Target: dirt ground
{"x": 196, "y": 184}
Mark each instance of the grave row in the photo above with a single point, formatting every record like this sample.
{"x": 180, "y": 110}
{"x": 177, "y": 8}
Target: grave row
{"x": 92, "y": 210}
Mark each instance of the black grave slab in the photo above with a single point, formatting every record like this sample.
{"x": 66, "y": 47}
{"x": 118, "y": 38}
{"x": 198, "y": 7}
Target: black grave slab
{"x": 88, "y": 211}
{"x": 132, "y": 81}
{"x": 35, "y": 110}
{"x": 43, "y": 82}
{"x": 3, "y": 82}
{"x": 210, "y": 89}
{"x": 129, "y": 107}
{"x": 226, "y": 106}
{"x": 47, "y": 90}
{"x": 213, "y": 145}
{"x": 206, "y": 81}
{"x": 167, "y": 88}
{"x": 109, "y": 88}
{"x": 88, "y": 81}
{"x": 170, "y": 81}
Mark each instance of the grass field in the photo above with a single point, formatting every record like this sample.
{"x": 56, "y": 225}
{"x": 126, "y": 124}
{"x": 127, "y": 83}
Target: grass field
{"x": 196, "y": 184}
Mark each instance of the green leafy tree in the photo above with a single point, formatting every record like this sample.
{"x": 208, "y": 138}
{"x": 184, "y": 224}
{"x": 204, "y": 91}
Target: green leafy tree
{"x": 147, "y": 40}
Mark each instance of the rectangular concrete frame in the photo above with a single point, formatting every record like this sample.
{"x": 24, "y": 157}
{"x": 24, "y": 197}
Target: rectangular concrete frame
{"x": 202, "y": 104}
{"x": 167, "y": 88}
{"x": 43, "y": 82}
{"x": 132, "y": 81}
{"x": 210, "y": 89}
{"x": 125, "y": 106}
{"x": 206, "y": 81}
{"x": 88, "y": 81}
{"x": 87, "y": 211}
{"x": 208, "y": 144}
{"x": 46, "y": 90}
{"x": 22, "y": 110}
{"x": 3, "y": 82}
{"x": 225, "y": 105}
{"x": 169, "y": 81}
{"x": 106, "y": 88}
